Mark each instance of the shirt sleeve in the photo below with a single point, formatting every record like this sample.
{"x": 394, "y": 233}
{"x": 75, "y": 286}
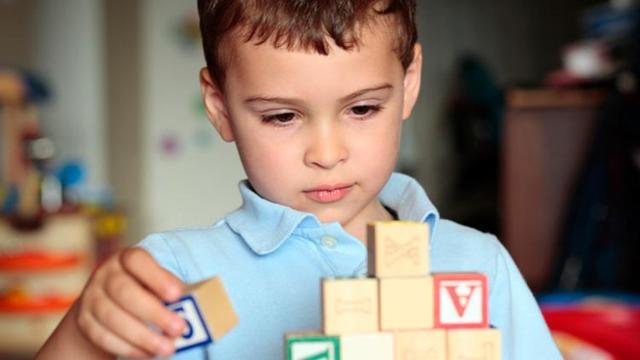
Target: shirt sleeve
{"x": 514, "y": 311}
{"x": 160, "y": 248}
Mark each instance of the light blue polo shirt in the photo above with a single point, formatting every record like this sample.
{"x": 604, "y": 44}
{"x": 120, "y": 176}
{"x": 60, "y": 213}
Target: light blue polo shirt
{"x": 271, "y": 259}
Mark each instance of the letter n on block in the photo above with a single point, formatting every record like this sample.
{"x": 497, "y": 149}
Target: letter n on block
{"x": 461, "y": 300}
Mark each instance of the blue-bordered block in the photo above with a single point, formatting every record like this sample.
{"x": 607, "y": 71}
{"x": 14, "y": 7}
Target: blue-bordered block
{"x": 197, "y": 333}
{"x": 312, "y": 346}
{"x": 208, "y": 313}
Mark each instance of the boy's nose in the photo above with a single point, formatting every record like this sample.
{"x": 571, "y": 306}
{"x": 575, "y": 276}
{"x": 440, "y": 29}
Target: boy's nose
{"x": 326, "y": 148}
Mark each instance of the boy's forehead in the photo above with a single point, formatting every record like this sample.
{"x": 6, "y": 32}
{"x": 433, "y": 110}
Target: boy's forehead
{"x": 263, "y": 67}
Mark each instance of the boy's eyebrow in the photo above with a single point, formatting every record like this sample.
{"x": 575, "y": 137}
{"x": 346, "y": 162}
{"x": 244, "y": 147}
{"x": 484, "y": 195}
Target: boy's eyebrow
{"x": 295, "y": 101}
{"x": 358, "y": 93}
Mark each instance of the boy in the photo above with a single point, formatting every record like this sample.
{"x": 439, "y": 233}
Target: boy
{"x": 314, "y": 95}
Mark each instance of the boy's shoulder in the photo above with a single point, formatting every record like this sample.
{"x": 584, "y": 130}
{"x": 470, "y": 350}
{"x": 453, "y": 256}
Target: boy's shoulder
{"x": 176, "y": 249}
{"x": 189, "y": 237}
{"x": 451, "y": 233}
{"x": 191, "y": 233}
{"x": 459, "y": 248}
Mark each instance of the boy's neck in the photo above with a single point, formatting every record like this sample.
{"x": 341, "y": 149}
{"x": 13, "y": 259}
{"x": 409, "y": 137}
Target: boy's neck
{"x": 393, "y": 213}
{"x": 358, "y": 227}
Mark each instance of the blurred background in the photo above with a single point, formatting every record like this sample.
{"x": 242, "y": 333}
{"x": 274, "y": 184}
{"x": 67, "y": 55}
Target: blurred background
{"x": 528, "y": 127}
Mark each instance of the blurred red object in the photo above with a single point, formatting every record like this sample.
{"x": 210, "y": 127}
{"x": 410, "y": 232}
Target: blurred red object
{"x": 38, "y": 261}
{"x": 13, "y": 304}
{"x": 612, "y": 327}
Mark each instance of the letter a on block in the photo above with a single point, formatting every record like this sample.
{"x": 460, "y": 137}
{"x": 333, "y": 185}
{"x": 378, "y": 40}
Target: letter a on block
{"x": 461, "y": 300}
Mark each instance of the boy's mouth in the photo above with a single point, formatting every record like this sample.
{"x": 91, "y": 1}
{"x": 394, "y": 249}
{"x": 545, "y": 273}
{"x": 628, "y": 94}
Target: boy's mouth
{"x": 328, "y": 193}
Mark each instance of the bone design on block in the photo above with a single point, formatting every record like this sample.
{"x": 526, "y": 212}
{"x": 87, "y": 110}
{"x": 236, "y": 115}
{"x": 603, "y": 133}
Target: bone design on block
{"x": 352, "y": 306}
{"x": 397, "y": 251}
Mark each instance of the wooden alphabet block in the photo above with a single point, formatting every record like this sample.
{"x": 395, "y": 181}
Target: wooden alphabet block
{"x": 398, "y": 248}
{"x": 420, "y": 345}
{"x": 374, "y": 346}
{"x": 461, "y": 300}
{"x": 312, "y": 346}
{"x": 349, "y": 306}
{"x": 207, "y": 312}
{"x": 406, "y": 303}
{"x": 474, "y": 344}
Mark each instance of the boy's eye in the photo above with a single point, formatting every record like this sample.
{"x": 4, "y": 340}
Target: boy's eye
{"x": 363, "y": 111}
{"x": 279, "y": 119}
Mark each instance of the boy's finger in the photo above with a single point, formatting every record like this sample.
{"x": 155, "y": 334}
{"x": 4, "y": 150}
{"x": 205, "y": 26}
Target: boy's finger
{"x": 108, "y": 341}
{"x": 129, "y": 295}
{"x": 141, "y": 265}
{"x": 117, "y": 321}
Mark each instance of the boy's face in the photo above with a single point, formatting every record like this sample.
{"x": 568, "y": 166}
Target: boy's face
{"x": 317, "y": 133}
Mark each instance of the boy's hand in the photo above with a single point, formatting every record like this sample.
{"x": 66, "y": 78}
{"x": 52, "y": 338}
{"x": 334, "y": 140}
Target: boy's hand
{"x": 123, "y": 297}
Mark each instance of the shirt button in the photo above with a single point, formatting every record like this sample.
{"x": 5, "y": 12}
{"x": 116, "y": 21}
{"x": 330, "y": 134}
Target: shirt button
{"x": 328, "y": 241}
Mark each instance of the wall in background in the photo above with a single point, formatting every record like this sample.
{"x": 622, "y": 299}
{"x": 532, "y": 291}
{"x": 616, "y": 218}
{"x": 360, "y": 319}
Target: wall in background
{"x": 189, "y": 176}
{"x": 68, "y": 50}
{"x": 124, "y": 108}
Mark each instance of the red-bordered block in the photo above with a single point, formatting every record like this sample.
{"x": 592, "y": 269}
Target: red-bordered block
{"x": 461, "y": 300}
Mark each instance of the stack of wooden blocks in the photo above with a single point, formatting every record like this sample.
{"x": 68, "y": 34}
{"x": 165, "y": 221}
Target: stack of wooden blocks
{"x": 401, "y": 311}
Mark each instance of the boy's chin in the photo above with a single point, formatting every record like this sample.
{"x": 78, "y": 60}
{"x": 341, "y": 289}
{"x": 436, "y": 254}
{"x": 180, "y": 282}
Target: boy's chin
{"x": 329, "y": 214}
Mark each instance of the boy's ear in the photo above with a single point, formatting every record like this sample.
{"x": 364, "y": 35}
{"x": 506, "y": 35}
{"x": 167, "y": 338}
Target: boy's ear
{"x": 215, "y": 106}
{"x": 412, "y": 81}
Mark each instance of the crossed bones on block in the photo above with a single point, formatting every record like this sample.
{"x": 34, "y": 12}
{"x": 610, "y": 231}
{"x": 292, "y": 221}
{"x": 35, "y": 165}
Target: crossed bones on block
{"x": 398, "y": 250}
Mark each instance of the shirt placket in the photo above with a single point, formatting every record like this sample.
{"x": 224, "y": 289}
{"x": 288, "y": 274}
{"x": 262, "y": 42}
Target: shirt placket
{"x": 345, "y": 254}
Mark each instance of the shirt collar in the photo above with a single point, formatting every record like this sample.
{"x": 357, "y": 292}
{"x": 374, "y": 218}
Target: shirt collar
{"x": 265, "y": 225}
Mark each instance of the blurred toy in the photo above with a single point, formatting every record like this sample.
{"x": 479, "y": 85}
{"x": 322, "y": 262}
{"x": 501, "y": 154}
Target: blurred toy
{"x": 572, "y": 348}
{"x": 10, "y": 201}
{"x": 18, "y": 87}
{"x": 23, "y": 148}
{"x": 110, "y": 228}
{"x": 19, "y": 90}
{"x": 610, "y": 46}
{"x": 12, "y": 88}
{"x": 602, "y": 323}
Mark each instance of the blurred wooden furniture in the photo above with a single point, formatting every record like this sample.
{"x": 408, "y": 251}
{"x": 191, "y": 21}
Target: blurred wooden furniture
{"x": 546, "y": 139}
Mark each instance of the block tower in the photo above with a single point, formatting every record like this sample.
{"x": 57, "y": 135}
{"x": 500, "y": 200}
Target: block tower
{"x": 400, "y": 310}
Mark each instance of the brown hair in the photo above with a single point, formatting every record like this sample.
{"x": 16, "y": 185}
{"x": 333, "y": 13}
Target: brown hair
{"x": 299, "y": 24}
